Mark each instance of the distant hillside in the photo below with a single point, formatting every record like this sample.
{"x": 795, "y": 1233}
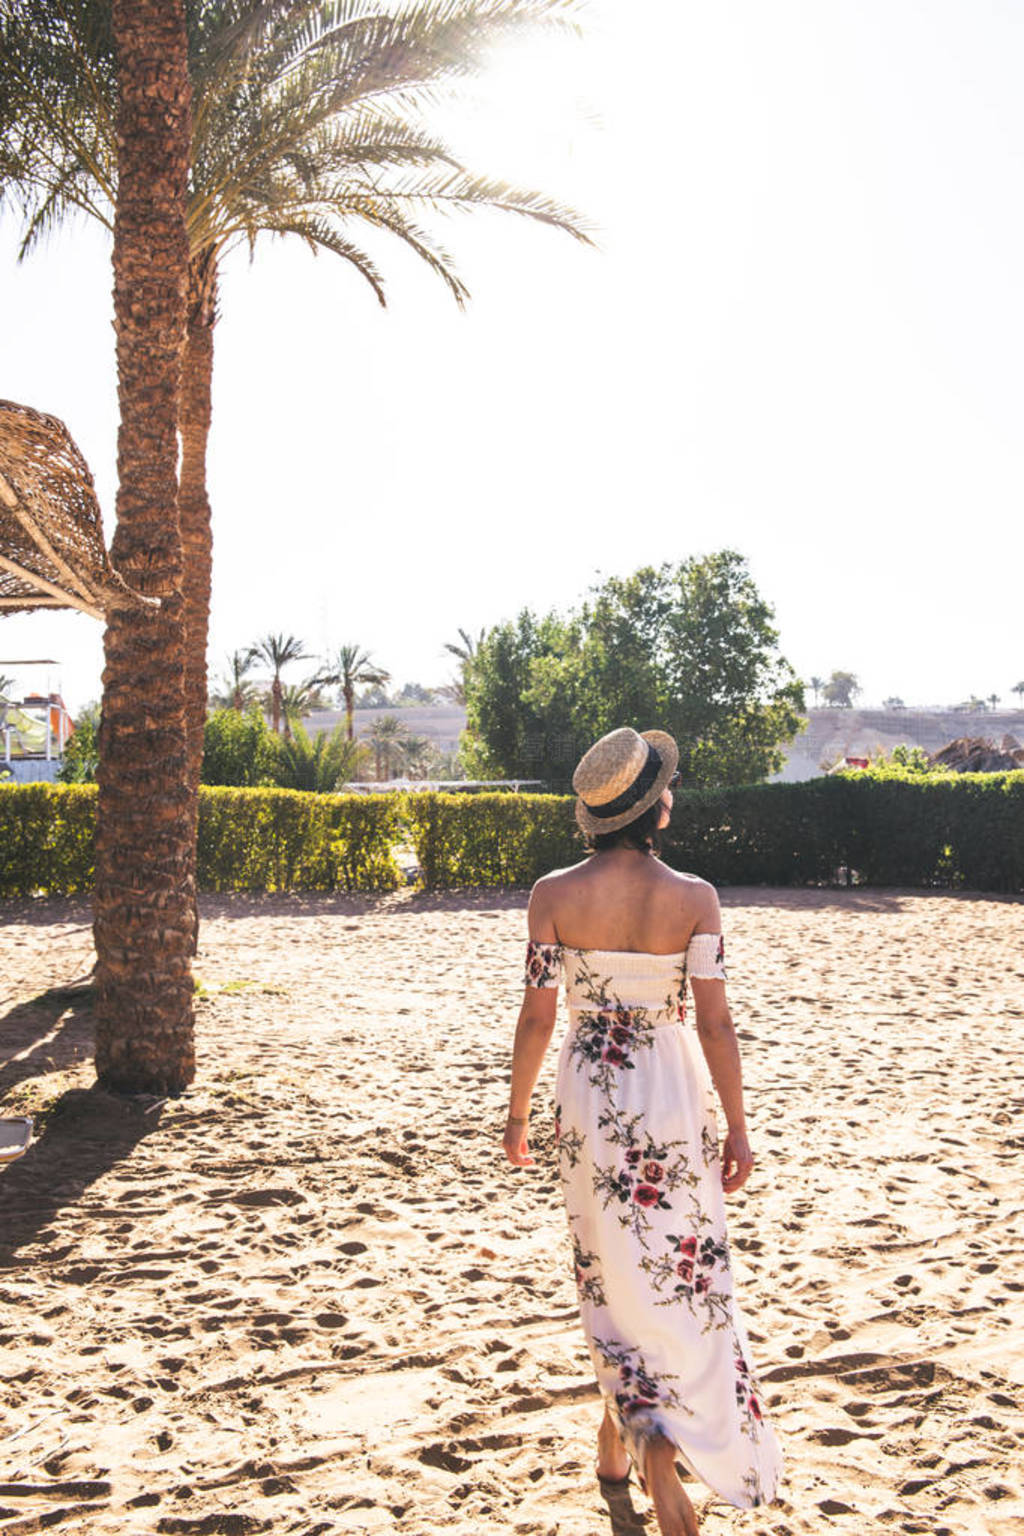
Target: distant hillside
{"x": 830, "y": 733}
{"x": 835, "y": 733}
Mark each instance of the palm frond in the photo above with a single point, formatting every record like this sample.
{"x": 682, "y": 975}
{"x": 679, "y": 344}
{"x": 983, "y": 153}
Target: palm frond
{"x": 309, "y": 115}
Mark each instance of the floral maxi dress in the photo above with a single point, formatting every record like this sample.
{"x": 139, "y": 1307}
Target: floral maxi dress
{"x": 640, "y": 1167}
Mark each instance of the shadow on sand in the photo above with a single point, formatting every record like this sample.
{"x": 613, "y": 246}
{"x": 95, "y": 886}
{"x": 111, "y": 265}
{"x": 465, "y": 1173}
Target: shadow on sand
{"x": 49, "y": 1033}
{"x": 624, "y": 1520}
{"x": 85, "y": 1133}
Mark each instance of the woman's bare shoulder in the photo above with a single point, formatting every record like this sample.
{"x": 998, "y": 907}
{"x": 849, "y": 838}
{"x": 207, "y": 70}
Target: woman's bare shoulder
{"x": 557, "y": 878}
{"x": 700, "y": 900}
{"x": 545, "y": 900}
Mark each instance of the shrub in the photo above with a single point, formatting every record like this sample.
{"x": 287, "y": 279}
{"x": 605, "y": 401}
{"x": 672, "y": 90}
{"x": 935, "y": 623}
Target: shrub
{"x": 761, "y": 834}
{"x": 885, "y": 828}
{"x": 238, "y": 749}
{"x": 47, "y": 832}
{"x": 323, "y": 764}
{"x": 249, "y": 839}
{"x": 81, "y": 753}
{"x": 490, "y": 839}
{"x": 284, "y": 840}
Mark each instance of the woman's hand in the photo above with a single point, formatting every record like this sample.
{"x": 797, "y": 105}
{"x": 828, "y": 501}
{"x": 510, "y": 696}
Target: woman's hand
{"x": 737, "y": 1161}
{"x": 516, "y": 1149}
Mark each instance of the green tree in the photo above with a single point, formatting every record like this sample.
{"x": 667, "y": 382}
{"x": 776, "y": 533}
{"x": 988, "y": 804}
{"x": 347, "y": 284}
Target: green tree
{"x": 993, "y": 699}
{"x": 239, "y": 748}
{"x": 690, "y": 648}
{"x": 520, "y": 701}
{"x": 841, "y": 690}
{"x": 6, "y": 685}
{"x": 278, "y": 652}
{"x": 308, "y": 121}
{"x": 81, "y": 753}
{"x": 817, "y": 684}
{"x": 412, "y": 694}
{"x": 1018, "y": 689}
{"x": 894, "y": 703}
{"x": 350, "y": 668}
{"x": 322, "y": 765}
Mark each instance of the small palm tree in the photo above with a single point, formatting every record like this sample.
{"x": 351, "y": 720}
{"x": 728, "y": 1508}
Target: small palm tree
{"x": 322, "y": 765}
{"x": 351, "y": 668}
{"x": 299, "y": 699}
{"x": 993, "y": 699}
{"x": 6, "y": 685}
{"x": 387, "y": 736}
{"x": 277, "y": 652}
{"x": 237, "y": 691}
{"x": 416, "y": 755}
{"x": 464, "y": 650}
{"x": 817, "y": 684}
{"x": 1018, "y": 689}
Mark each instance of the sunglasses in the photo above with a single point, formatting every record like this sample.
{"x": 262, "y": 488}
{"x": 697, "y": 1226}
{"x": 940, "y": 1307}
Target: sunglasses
{"x": 674, "y": 780}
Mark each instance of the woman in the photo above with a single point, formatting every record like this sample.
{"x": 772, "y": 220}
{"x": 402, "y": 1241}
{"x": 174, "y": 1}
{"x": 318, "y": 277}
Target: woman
{"x": 637, "y": 1137}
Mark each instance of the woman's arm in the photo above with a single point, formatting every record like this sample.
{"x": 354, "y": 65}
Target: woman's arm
{"x": 717, "y": 1035}
{"x": 721, "y": 1052}
{"x": 533, "y": 1034}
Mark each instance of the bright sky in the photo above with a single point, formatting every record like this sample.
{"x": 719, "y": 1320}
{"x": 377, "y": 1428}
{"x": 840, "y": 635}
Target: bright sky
{"x": 801, "y": 337}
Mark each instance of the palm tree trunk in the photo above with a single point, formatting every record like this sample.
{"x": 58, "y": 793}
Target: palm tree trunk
{"x": 194, "y": 515}
{"x": 275, "y": 704}
{"x": 193, "y": 500}
{"x": 143, "y": 892}
{"x": 350, "y": 709}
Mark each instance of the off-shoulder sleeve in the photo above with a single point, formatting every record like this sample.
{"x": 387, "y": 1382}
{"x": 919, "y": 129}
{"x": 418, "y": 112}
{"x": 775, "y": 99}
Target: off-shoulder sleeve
{"x": 705, "y": 958}
{"x": 543, "y": 964}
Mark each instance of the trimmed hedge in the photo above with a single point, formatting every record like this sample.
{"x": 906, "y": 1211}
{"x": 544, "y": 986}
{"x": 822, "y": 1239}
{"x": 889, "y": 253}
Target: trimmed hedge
{"x": 46, "y": 838}
{"x": 286, "y": 840}
{"x": 955, "y": 831}
{"x": 490, "y": 839}
{"x": 249, "y": 840}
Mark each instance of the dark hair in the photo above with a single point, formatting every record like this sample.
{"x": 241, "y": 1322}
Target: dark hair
{"x": 643, "y": 833}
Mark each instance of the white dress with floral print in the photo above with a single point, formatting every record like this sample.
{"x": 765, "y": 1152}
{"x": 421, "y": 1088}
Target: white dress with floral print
{"x": 640, "y": 1168}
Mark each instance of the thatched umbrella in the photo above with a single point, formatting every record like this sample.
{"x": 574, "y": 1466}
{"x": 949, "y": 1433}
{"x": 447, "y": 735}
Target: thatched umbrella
{"x": 52, "y": 553}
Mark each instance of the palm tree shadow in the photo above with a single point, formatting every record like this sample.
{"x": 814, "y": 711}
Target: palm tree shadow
{"x": 625, "y": 1520}
{"x": 45, "y": 1034}
{"x": 85, "y": 1133}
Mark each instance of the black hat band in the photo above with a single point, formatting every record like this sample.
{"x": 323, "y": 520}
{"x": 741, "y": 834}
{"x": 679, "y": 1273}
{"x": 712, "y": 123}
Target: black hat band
{"x": 636, "y": 791}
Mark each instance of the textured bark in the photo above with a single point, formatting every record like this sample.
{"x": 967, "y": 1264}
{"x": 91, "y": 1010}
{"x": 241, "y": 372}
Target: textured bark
{"x": 143, "y": 900}
{"x": 194, "y": 514}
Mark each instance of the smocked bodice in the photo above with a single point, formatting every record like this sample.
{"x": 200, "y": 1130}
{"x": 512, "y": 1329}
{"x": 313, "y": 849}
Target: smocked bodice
{"x": 608, "y": 980}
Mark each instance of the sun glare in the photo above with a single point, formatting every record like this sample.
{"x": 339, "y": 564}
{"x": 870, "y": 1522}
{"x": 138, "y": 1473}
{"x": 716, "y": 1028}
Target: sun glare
{"x": 533, "y": 114}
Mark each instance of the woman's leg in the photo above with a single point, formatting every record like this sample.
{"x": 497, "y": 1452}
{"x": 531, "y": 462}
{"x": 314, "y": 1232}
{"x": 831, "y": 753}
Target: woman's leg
{"x": 612, "y": 1460}
{"x": 675, "y": 1513}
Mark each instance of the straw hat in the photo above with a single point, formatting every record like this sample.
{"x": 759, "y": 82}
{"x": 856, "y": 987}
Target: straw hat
{"x": 621, "y": 777}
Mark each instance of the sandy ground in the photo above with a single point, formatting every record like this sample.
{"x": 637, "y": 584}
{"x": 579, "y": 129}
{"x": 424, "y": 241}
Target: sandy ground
{"x": 309, "y": 1296}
